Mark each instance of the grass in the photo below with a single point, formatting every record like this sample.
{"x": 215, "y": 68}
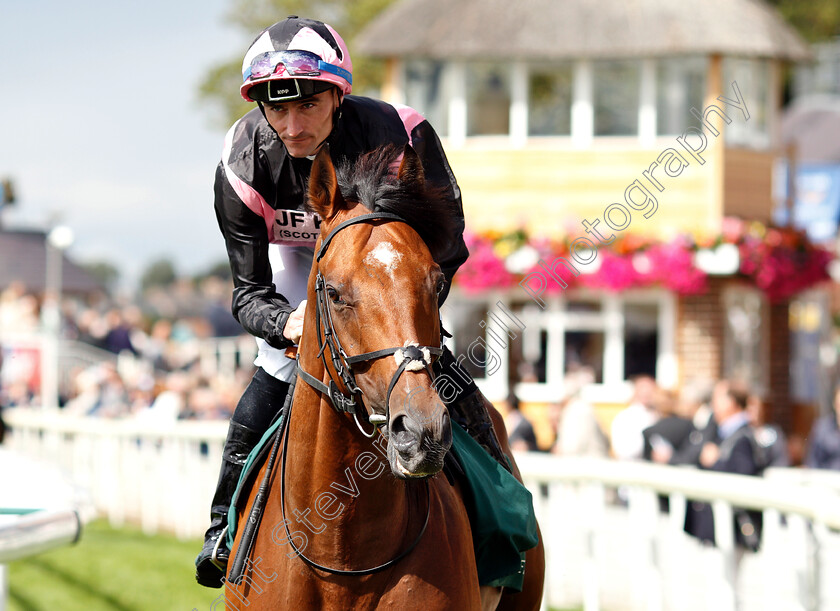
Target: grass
{"x": 111, "y": 570}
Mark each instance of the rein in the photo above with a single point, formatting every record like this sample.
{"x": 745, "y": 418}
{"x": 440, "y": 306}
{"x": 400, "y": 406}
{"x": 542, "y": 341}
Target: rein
{"x": 410, "y": 357}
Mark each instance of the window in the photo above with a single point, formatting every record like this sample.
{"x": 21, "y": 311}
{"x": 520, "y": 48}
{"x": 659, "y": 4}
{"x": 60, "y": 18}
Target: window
{"x": 641, "y": 338}
{"x": 812, "y": 353}
{"x": 616, "y": 97}
{"x": 425, "y": 91}
{"x": 584, "y": 353}
{"x": 464, "y": 322}
{"x": 745, "y": 339}
{"x": 680, "y": 86}
{"x": 550, "y": 100}
{"x": 488, "y": 99}
{"x": 603, "y": 338}
{"x": 753, "y": 79}
{"x": 529, "y": 356}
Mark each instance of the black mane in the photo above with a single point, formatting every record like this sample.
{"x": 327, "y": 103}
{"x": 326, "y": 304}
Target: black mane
{"x": 372, "y": 181}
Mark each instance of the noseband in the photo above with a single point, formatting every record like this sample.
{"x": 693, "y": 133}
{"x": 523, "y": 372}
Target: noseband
{"x": 409, "y": 356}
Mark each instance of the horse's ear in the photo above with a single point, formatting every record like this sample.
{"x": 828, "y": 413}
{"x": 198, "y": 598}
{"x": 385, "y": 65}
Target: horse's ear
{"x": 324, "y": 197}
{"x": 411, "y": 170}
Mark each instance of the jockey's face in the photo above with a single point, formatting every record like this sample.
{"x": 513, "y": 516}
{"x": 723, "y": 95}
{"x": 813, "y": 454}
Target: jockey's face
{"x": 303, "y": 125}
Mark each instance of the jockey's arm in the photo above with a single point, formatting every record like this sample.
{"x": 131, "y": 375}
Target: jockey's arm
{"x": 257, "y": 306}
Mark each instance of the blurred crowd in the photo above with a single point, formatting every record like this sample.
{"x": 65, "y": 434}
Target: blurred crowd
{"x": 143, "y": 360}
{"x": 717, "y": 426}
{"x": 128, "y": 360}
{"x": 159, "y": 360}
{"x": 668, "y": 427}
{"x": 674, "y": 427}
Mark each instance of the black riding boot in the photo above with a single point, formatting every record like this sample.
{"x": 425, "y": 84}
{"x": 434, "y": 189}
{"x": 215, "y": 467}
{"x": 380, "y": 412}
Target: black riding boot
{"x": 211, "y": 563}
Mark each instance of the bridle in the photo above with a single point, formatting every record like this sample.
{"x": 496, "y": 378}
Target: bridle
{"x": 409, "y": 356}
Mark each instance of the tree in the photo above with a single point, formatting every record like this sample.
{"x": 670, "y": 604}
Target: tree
{"x": 104, "y": 273}
{"x": 158, "y": 273}
{"x": 815, "y": 20}
{"x": 220, "y": 270}
{"x": 220, "y": 86}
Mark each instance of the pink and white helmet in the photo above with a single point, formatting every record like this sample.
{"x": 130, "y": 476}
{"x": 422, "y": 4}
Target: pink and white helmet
{"x": 293, "y": 59}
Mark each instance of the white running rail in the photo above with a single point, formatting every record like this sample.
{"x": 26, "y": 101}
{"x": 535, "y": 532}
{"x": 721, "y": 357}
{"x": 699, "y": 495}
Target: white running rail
{"x": 601, "y": 554}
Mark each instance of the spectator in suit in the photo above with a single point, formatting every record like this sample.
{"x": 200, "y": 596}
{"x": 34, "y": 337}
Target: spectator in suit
{"x": 520, "y": 431}
{"x": 671, "y": 431}
{"x": 733, "y": 451}
{"x": 770, "y": 437}
{"x": 695, "y": 404}
{"x": 824, "y": 440}
{"x": 118, "y": 337}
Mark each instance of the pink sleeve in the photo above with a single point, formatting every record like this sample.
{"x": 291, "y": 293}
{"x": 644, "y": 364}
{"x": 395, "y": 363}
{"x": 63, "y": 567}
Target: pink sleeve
{"x": 410, "y": 118}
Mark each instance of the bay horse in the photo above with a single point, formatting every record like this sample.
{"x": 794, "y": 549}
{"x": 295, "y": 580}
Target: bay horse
{"x": 362, "y": 518}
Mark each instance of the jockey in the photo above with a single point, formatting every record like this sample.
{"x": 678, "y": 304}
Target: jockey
{"x": 299, "y": 73}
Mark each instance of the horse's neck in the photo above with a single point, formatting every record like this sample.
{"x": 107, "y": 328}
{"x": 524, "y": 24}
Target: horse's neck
{"x": 339, "y": 487}
{"x": 324, "y": 444}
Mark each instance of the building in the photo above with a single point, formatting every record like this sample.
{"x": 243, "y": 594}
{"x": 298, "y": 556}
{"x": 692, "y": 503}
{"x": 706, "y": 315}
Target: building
{"x": 24, "y": 253}
{"x": 649, "y": 130}
{"x": 810, "y": 127}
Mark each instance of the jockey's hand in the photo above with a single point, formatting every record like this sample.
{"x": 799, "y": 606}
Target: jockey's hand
{"x": 294, "y": 325}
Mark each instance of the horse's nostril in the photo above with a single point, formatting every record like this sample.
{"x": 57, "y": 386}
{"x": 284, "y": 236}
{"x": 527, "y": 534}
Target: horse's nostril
{"x": 398, "y": 425}
{"x": 402, "y": 434}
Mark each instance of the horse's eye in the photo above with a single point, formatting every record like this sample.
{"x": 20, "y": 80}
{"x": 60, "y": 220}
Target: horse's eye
{"x": 441, "y": 284}
{"x": 333, "y": 295}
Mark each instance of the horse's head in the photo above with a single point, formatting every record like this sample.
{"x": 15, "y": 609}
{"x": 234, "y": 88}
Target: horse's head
{"x": 379, "y": 288}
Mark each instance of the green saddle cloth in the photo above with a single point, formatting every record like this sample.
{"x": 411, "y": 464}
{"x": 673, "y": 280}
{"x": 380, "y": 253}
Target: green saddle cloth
{"x": 501, "y": 514}
{"x": 500, "y": 509}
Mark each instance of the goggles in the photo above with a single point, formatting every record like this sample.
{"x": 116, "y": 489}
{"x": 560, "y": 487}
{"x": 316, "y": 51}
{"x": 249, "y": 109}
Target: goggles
{"x": 292, "y": 63}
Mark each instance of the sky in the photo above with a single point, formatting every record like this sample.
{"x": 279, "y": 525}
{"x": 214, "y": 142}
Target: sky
{"x": 102, "y": 130}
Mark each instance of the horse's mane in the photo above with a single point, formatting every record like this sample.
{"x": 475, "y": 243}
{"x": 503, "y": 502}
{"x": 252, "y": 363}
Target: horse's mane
{"x": 372, "y": 181}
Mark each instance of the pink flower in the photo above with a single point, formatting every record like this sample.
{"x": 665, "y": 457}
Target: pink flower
{"x": 732, "y": 229}
{"x": 673, "y": 268}
{"x": 483, "y": 270}
{"x": 617, "y": 273}
{"x": 777, "y": 260}
{"x": 782, "y": 272}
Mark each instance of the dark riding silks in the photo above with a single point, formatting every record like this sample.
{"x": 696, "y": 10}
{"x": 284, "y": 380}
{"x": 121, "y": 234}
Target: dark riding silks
{"x": 501, "y": 514}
